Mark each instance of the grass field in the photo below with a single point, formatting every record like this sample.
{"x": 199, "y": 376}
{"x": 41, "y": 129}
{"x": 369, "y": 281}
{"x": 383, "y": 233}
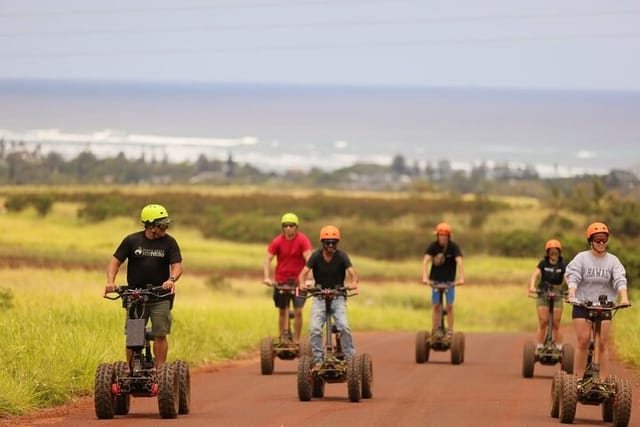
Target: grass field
{"x": 58, "y": 328}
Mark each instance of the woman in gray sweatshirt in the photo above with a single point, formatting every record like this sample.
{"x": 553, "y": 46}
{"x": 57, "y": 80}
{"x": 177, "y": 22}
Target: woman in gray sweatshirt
{"x": 590, "y": 274}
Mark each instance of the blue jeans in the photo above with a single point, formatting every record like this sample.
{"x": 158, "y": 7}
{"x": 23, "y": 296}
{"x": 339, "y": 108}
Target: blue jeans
{"x": 318, "y": 319}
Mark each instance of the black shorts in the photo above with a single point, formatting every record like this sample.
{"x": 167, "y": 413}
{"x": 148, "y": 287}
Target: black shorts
{"x": 583, "y": 313}
{"x": 283, "y": 299}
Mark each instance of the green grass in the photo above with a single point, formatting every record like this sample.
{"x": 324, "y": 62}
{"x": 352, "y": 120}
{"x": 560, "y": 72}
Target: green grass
{"x": 60, "y": 328}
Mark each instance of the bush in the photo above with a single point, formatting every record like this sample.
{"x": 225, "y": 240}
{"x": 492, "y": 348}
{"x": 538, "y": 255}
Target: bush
{"x": 517, "y": 243}
{"x": 43, "y": 204}
{"x": 100, "y": 208}
{"x": 16, "y": 203}
{"x": 6, "y": 299}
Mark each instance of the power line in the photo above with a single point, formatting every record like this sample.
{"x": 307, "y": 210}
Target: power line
{"x": 317, "y": 24}
{"x": 235, "y": 5}
{"x": 316, "y": 47}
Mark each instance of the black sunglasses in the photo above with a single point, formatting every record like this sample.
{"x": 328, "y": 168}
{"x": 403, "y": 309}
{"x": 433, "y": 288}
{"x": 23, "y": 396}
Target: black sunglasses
{"x": 330, "y": 242}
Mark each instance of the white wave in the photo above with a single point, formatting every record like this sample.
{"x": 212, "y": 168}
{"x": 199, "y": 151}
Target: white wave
{"x": 111, "y": 136}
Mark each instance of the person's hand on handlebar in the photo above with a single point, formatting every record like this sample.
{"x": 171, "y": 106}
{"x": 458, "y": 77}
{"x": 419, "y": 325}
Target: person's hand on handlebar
{"x": 571, "y": 299}
{"x": 109, "y": 288}
{"x": 268, "y": 282}
{"x": 169, "y": 284}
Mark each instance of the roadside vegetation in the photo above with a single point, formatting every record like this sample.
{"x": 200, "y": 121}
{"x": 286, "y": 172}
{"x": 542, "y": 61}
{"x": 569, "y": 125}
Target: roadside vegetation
{"x": 58, "y": 328}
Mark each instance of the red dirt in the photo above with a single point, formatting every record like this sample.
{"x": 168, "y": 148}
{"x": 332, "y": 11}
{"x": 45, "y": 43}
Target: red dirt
{"x": 486, "y": 390}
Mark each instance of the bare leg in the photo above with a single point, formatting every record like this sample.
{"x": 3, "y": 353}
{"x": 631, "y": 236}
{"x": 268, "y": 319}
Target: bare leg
{"x": 282, "y": 320}
{"x": 604, "y": 348}
{"x": 160, "y": 350}
{"x": 435, "y": 317}
{"x": 583, "y": 333}
{"x": 450, "y": 316}
{"x": 543, "y": 321}
{"x": 557, "y": 331}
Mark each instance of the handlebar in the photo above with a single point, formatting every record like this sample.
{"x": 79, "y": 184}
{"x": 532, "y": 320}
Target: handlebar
{"x": 330, "y": 293}
{"x": 442, "y": 285}
{"x": 590, "y": 305}
{"x": 125, "y": 291}
{"x": 284, "y": 286}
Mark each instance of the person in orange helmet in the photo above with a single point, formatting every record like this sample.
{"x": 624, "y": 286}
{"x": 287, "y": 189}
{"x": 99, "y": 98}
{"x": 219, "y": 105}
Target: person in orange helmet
{"x": 549, "y": 274}
{"x": 330, "y": 267}
{"x": 445, "y": 258}
{"x": 590, "y": 274}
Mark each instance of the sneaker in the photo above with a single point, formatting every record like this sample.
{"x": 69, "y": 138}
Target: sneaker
{"x": 316, "y": 367}
{"x": 449, "y": 332}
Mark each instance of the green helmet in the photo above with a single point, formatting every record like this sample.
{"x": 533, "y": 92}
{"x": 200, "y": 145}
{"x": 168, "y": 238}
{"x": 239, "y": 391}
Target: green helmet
{"x": 289, "y": 218}
{"x": 154, "y": 214}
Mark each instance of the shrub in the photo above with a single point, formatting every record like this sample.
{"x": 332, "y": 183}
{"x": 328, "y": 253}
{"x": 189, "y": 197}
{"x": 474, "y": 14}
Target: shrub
{"x": 16, "y": 203}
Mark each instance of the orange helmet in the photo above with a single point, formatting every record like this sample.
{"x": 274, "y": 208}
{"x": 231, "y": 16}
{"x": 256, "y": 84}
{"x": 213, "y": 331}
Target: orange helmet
{"x": 443, "y": 228}
{"x": 595, "y": 228}
{"x": 329, "y": 232}
{"x": 553, "y": 244}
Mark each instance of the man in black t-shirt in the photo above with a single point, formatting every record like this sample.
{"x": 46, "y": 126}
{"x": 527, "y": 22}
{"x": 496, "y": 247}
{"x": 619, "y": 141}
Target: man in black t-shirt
{"x": 330, "y": 267}
{"x": 445, "y": 257}
{"x": 154, "y": 259}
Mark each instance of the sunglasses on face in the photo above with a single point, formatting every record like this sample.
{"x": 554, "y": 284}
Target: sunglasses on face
{"x": 600, "y": 241}
{"x": 162, "y": 226}
{"x": 288, "y": 225}
{"x": 330, "y": 242}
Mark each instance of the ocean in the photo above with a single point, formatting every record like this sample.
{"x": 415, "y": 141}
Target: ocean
{"x": 281, "y": 127}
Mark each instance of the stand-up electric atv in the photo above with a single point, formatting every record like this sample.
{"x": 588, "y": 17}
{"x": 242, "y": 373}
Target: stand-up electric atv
{"x": 356, "y": 371}
{"x": 440, "y": 340}
{"x": 613, "y": 393}
{"x": 284, "y": 347}
{"x": 115, "y": 383}
{"x": 549, "y": 354}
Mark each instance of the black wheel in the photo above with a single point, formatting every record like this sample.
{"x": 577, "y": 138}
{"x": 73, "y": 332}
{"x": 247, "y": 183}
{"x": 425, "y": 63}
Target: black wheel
{"x": 528, "y": 359}
{"x": 607, "y": 405}
{"x": 123, "y": 401}
{"x": 422, "y": 347}
{"x": 568, "y": 399}
{"x": 354, "y": 377}
{"x": 305, "y": 378}
{"x": 168, "y": 390}
{"x": 622, "y": 403}
{"x": 305, "y": 347}
{"x": 317, "y": 387}
{"x": 556, "y": 392}
{"x": 567, "y": 358}
{"x": 103, "y": 400}
{"x": 366, "y": 364}
{"x": 457, "y": 348}
{"x": 266, "y": 356}
{"x": 184, "y": 386}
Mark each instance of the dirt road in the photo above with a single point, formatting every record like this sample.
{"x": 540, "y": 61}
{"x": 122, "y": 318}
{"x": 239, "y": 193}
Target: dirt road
{"x": 486, "y": 390}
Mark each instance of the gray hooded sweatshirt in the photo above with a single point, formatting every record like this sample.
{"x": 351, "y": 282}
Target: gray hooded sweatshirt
{"x": 592, "y": 276}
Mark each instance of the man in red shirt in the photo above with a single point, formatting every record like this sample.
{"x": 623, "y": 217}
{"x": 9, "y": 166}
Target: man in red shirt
{"x": 292, "y": 249}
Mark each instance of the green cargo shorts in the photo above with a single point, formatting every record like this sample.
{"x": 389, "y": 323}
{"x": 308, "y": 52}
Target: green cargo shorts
{"x": 541, "y": 301}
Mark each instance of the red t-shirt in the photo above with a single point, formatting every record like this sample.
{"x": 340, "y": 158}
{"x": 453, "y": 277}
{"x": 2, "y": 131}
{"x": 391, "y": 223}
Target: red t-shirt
{"x": 290, "y": 255}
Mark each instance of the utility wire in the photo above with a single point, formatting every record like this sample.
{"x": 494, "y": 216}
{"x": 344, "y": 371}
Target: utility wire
{"x": 317, "y": 24}
{"x": 204, "y": 6}
{"x": 311, "y": 48}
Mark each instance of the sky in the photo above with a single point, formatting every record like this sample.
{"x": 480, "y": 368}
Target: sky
{"x": 547, "y": 44}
